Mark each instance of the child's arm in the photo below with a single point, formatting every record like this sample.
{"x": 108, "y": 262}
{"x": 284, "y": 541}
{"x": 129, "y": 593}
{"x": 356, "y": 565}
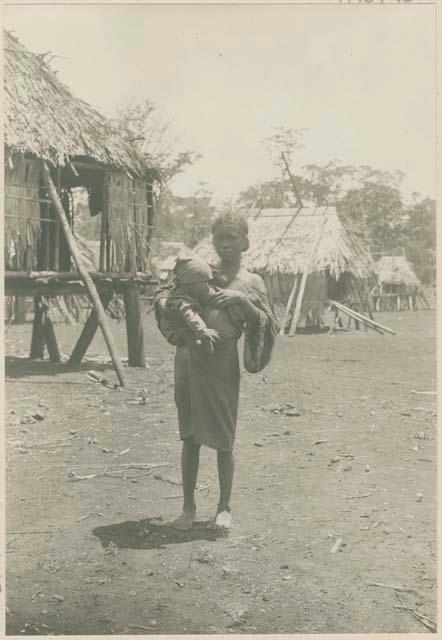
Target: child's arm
{"x": 192, "y": 319}
{"x": 198, "y": 327}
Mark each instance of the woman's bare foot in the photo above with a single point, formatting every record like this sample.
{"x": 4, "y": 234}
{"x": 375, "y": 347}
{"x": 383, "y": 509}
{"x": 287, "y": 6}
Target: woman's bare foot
{"x": 223, "y": 520}
{"x": 185, "y": 520}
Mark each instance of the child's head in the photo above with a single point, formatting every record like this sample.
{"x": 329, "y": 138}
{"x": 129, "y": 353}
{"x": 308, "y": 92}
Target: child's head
{"x": 192, "y": 276}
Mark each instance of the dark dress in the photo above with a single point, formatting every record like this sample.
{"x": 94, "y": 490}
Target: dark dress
{"x": 207, "y": 386}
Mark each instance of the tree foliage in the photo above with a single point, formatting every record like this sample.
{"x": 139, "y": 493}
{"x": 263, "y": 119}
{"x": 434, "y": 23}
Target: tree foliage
{"x": 368, "y": 198}
{"x": 143, "y": 125}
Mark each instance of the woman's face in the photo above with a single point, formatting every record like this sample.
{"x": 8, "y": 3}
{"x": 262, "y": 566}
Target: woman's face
{"x": 228, "y": 243}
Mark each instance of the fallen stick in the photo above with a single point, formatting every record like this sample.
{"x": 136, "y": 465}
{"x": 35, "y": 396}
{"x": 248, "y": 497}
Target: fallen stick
{"x": 139, "y": 626}
{"x": 395, "y": 588}
{"x": 363, "y": 495}
{"x": 424, "y": 393}
{"x": 26, "y": 533}
{"x": 181, "y": 495}
{"x": 427, "y": 622}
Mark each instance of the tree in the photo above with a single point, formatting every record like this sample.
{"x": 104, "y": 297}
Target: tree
{"x": 145, "y": 128}
{"x": 419, "y": 237}
{"x": 186, "y": 219}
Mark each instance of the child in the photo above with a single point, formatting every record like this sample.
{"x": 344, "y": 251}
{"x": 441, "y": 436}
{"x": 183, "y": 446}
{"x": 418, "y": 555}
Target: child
{"x": 189, "y": 293}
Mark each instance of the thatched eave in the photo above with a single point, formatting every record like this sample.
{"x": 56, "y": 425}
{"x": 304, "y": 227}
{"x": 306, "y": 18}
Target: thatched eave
{"x": 43, "y": 118}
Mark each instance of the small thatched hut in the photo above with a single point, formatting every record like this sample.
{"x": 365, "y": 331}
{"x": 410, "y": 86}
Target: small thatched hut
{"x": 398, "y": 287}
{"x": 164, "y": 257}
{"x": 287, "y": 243}
{"x": 54, "y": 138}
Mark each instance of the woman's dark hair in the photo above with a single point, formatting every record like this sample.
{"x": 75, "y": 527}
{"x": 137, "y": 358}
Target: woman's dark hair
{"x": 233, "y": 220}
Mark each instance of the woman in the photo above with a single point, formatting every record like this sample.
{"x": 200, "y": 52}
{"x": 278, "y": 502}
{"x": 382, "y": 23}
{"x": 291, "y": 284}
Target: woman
{"x": 207, "y": 386}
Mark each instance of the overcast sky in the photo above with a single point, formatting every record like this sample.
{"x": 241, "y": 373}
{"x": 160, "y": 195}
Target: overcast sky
{"x": 360, "y": 78}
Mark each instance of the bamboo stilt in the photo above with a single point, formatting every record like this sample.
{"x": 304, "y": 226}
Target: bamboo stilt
{"x": 134, "y": 326}
{"x": 101, "y": 315}
{"x": 88, "y": 333}
{"x": 305, "y": 273}
{"x": 51, "y": 340}
{"x": 289, "y": 305}
{"x": 38, "y": 339}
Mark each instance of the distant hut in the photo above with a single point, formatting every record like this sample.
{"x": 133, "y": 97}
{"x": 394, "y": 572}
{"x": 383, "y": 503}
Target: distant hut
{"x": 398, "y": 287}
{"x": 306, "y": 257}
{"x": 55, "y": 142}
{"x": 163, "y": 261}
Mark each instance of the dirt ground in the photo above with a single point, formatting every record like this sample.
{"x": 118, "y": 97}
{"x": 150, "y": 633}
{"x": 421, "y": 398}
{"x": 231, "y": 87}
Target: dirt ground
{"x": 332, "y": 508}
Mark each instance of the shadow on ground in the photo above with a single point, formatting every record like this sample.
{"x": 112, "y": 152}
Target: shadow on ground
{"x": 151, "y": 534}
{"x": 16, "y": 367}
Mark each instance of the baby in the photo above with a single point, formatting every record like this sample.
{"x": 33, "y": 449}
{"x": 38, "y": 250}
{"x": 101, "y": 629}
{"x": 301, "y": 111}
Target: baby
{"x": 189, "y": 293}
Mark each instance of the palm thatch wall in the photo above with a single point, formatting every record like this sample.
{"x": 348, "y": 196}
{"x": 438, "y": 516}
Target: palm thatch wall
{"x": 282, "y": 242}
{"x": 45, "y": 121}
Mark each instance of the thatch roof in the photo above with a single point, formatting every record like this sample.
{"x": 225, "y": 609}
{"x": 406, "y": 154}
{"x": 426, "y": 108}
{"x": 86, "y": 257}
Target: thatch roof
{"x": 396, "y": 270}
{"x": 43, "y": 117}
{"x": 165, "y": 257}
{"x": 281, "y": 240}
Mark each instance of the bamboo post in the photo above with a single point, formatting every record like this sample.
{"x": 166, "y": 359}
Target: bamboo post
{"x": 289, "y": 305}
{"x": 38, "y": 339}
{"x": 88, "y": 333}
{"x": 101, "y": 315}
{"x": 398, "y": 302}
{"x": 305, "y": 272}
{"x": 19, "y": 310}
{"x": 355, "y": 314}
{"x": 134, "y": 326}
{"x": 101, "y": 265}
{"x": 51, "y": 340}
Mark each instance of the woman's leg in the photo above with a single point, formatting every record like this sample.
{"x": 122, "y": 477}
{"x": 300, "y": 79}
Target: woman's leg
{"x": 226, "y": 467}
{"x": 190, "y": 457}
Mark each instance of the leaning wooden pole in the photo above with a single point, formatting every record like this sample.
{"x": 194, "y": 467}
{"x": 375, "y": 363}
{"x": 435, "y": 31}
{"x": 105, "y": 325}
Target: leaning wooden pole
{"x": 101, "y": 315}
{"x": 359, "y": 316}
{"x": 305, "y": 273}
{"x": 289, "y": 305}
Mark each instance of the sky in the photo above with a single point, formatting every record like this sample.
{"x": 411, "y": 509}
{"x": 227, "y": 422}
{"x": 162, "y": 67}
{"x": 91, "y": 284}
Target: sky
{"x": 359, "y": 78}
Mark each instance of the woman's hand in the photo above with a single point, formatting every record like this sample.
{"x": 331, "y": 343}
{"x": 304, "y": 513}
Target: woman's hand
{"x": 212, "y": 335}
{"x": 228, "y": 297}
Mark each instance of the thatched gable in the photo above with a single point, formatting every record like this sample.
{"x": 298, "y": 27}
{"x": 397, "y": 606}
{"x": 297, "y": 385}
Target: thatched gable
{"x": 396, "y": 270}
{"x": 43, "y": 117}
{"x": 281, "y": 240}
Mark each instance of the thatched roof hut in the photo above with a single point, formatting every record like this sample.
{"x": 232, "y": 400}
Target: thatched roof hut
{"x": 44, "y": 118}
{"x": 397, "y": 287}
{"x": 396, "y": 271}
{"x": 44, "y": 121}
{"x": 284, "y": 243}
{"x": 164, "y": 259}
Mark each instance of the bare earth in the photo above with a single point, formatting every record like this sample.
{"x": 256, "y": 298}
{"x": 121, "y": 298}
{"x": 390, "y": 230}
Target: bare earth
{"x": 325, "y": 503}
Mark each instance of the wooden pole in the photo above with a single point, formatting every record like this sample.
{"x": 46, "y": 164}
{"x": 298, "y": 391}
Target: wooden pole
{"x": 292, "y": 180}
{"x": 51, "y": 340}
{"x": 88, "y": 333}
{"x": 305, "y": 272}
{"x": 101, "y": 315}
{"x": 342, "y": 307}
{"x": 134, "y": 327}
{"x": 19, "y": 310}
{"x": 101, "y": 265}
{"x": 289, "y": 305}
{"x": 38, "y": 339}
{"x": 351, "y": 317}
